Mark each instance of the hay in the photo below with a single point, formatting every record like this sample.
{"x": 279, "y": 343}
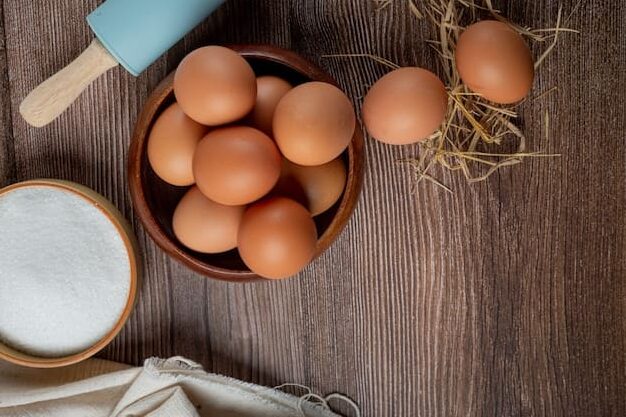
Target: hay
{"x": 475, "y": 130}
{"x": 477, "y": 136}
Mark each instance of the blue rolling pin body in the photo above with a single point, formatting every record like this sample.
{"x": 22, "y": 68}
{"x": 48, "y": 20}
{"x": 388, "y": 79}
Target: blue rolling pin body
{"x": 137, "y": 32}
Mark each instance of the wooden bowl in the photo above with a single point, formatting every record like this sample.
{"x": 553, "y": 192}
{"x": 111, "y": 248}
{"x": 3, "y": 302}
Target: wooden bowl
{"x": 155, "y": 201}
{"x": 125, "y": 231}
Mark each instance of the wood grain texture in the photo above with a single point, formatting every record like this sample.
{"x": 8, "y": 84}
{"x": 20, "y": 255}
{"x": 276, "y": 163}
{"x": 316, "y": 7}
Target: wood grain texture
{"x": 7, "y": 165}
{"x": 506, "y": 298}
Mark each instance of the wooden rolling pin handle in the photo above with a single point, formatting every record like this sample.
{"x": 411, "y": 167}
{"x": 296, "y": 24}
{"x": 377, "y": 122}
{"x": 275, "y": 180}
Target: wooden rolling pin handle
{"x": 52, "y": 97}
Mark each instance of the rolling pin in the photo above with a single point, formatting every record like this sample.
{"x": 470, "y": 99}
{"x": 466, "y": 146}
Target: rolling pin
{"x": 133, "y": 33}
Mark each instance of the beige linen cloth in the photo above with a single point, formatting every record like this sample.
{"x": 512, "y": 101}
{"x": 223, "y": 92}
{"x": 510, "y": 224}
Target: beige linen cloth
{"x": 174, "y": 387}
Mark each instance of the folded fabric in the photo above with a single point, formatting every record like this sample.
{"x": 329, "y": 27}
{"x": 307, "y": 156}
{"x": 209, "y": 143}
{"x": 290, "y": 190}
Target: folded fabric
{"x": 174, "y": 387}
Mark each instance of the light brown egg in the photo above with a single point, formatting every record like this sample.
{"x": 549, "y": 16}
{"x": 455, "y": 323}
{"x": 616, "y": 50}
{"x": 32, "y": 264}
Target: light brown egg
{"x": 204, "y": 225}
{"x": 405, "y": 106}
{"x": 215, "y": 85}
{"x": 269, "y": 91}
{"x": 493, "y": 60}
{"x": 171, "y": 146}
{"x": 236, "y": 165}
{"x": 313, "y": 123}
{"x": 277, "y": 238}
{"x": 322, "y": 185}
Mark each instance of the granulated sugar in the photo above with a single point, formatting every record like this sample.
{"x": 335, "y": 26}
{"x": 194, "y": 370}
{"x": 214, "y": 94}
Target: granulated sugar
{"x": 64, "y": 272}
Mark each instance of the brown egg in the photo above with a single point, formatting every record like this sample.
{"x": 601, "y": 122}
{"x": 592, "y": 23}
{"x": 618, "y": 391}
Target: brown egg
{"x": 493, "y": 60}
{"x": 171, "y": 145}
{"x": 215, "y": 85}
{"x": 269, "y": 91}
{"x": 313, "y": 123}
{"x": 236, "y": 165}
{"x": 204, "y": 225}
{"x": 277, "y": 238}
{"x": 322, "y": 185}
{"x": 405, "y": 106}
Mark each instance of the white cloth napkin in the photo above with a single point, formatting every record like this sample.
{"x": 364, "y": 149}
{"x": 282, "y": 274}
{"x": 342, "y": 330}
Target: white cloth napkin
{"x": 174, "y": 387}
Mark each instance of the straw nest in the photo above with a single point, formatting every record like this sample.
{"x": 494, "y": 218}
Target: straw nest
{"x": 477, "y": 137}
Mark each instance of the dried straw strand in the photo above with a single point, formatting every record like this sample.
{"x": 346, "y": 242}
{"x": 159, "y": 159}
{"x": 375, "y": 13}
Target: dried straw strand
{"x": 474, "y": 128}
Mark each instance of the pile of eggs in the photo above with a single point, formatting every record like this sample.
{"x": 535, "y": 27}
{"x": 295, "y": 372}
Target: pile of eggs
{"x": 261, "y": 158}
{"x": 409, "y": 104}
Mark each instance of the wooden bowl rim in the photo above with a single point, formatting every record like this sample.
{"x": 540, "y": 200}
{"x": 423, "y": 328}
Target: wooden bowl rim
{"x": 125, "y": 231}
{"x": 163, "y": 91}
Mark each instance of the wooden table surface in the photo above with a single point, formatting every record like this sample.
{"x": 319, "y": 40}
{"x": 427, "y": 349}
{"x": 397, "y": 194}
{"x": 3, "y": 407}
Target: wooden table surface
{"x": 506, "y": 298}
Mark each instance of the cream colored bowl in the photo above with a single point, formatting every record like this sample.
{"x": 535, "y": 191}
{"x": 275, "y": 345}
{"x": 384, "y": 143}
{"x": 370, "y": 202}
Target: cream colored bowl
{"x": 125, "y": 232}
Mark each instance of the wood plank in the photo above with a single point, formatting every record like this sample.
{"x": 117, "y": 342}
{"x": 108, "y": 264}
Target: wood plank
{"x": 505, "y": 298}
{"x": 7, "y": 158}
